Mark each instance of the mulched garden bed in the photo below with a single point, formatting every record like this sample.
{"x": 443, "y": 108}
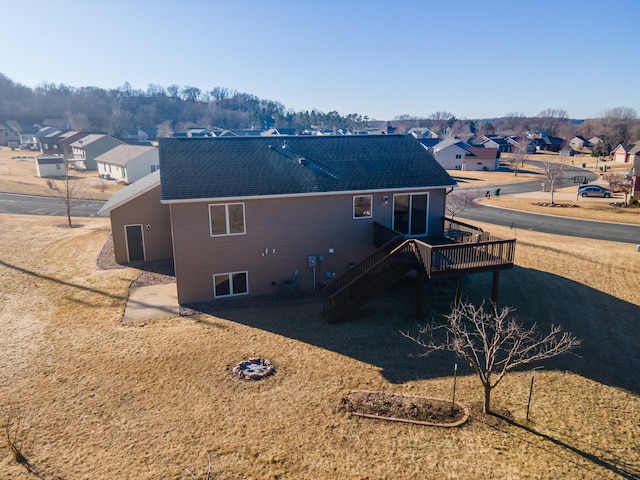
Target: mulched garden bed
{"x": 403, "y": 408}
{"x": 555, "y": 204}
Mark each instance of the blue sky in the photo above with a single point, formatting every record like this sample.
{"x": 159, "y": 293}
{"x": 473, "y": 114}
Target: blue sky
{"x": 475, "y": 59}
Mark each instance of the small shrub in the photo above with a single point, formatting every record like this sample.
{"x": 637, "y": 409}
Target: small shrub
{"x": 101, "y": 185}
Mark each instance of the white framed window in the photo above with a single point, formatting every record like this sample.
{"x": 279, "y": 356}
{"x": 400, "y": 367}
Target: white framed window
{"x": 362, "y": 205}
{"x": 458, "y": 156}
{"x": 230, "y": 284}
{"x": 226, "y": 219}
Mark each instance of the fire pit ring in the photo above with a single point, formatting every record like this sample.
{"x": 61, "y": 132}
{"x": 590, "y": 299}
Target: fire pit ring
{"x": 253, "y": 369}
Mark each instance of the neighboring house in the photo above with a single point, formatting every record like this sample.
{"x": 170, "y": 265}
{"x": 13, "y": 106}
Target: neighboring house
{"x": 626, "y": 153}
{"x": 65, "y": 141}
{"x": 140, "y": 224}
{"x": 480, "y": 158}
{"x": 48, "y": 138}
{"x": 422, "y": 132}
{"x": 518, "y": 142}
{"x": 89, "y": 147}
{"x": 579, "y": 142}
{"x": 26, "y": 134}
{"x": 196, "y": 132}
{"x": 497, "y": 142}
{"x": 127, "y": 163}
{"x": 429, "y": 143}
{"x": 8, "y": 136}
{"x": 142, "y": 135}
{"x": 547, "y": 143}
{"x": 593, "y": 141}
{"x": 278, "y": 131}
{"x": 453, "y": 154}
{"x": 51, "y": 166}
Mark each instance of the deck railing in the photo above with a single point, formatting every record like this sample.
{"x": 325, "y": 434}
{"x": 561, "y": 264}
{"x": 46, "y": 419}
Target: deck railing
{"x": 467, "y": 257}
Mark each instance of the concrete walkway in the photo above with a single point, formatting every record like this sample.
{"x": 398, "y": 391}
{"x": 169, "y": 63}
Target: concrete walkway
{"x": 154, "y": 301}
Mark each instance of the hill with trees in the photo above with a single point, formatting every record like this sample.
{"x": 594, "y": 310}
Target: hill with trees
{"x": 176, "y": 108}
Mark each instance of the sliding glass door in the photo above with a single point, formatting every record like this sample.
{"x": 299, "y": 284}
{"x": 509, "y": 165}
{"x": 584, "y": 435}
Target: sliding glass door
{"x": 410, "y": 214}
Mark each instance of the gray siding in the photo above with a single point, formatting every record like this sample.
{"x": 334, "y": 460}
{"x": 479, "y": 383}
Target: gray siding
{"x": 280, "y": 235}
{"x": 146, "y": 210}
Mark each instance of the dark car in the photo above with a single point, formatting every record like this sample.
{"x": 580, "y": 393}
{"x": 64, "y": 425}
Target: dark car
{"x": 594, "y": 191}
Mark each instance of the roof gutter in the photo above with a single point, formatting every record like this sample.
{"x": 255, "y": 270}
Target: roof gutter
{"x": 305, "y": 195}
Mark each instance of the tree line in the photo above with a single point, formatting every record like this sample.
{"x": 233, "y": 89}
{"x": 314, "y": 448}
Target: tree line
{"x": 176, "y": 108}
{"x": 171, "y": 109}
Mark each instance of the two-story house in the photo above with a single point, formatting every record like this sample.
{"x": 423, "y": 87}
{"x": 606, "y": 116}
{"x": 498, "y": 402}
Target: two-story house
{"x": 250, "y": 216}
{"x": 454, "y": 154}
{"x": 86, "y": 149}
{"x": 127, "y": 163}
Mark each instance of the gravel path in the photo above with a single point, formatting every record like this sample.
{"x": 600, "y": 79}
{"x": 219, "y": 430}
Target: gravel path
{"x": 158, "y": 272}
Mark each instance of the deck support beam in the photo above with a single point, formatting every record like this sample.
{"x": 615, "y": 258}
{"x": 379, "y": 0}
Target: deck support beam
{"x": 458, "y": 294}
{"x": 420, "y": 286}
{"x": 494, "y": 287}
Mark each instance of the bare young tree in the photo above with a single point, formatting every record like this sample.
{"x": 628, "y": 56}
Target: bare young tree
{"x": 458, "y": 201}
{"x": 519, "y": 154}
{"x": 552, "y": 173}
{"x": 69, "y": 192}
{"x": 620, "y": 183}
{"x": 493, "y": 342}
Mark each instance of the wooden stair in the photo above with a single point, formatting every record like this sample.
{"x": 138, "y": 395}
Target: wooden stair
{"x": 369, "y": 278}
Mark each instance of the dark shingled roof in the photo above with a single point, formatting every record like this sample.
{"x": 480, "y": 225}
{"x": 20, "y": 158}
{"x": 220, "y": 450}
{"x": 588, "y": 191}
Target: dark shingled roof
{"x": 206, "y": 168}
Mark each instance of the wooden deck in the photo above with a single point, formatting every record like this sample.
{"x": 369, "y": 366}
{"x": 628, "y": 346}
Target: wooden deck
{"x": 463, "y": 249}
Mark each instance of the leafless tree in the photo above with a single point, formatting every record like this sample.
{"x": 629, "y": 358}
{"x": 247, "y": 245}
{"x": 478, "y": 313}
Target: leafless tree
{"x": 549, "y": 120}
{"x": 552, "y": 173}
{"x": 519, "y": 155}
{"x": 616, "y": 123}
{"x": 458, "y": 201}
{"x": 493, "y": 342}
{"x": 69, "y": 191}
{"x": 513, "y": 123}
{"x": 620, "y": 183}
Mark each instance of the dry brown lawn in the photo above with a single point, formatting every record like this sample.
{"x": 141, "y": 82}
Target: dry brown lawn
{"x": 19, "y": 175}
{"x": 101, "y": 399}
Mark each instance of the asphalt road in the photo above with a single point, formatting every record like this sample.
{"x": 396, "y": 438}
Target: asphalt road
{"x": 50, "y": 206}
{"x": 556, "y": 225}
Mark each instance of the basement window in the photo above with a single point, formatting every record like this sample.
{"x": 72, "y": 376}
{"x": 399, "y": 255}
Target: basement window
{"x": 230, "y": 284}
